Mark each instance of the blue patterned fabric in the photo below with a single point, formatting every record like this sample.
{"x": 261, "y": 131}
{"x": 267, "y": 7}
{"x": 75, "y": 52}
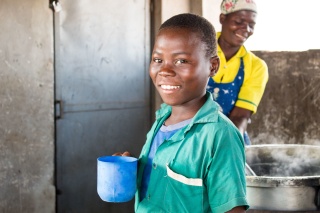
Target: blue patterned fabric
{"x": 226, "y": 94}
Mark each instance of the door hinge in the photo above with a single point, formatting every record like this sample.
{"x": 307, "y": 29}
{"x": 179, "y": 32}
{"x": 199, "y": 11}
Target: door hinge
{"x": 55, "y": 5}
{"x": 58, "y": 109}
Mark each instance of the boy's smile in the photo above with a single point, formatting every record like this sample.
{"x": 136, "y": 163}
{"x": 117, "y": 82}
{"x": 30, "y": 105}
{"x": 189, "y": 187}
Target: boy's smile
{"x": 168, "y": 88}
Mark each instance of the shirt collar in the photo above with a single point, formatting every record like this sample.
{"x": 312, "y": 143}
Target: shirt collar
{"x": 204, "y": 115}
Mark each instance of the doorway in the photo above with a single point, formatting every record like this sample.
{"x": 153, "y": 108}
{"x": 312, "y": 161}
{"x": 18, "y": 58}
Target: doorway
{"x": 101, "y": 93}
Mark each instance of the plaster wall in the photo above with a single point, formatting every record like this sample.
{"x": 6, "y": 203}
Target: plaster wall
{"x": 288, "y": 112}
{"x": 26, "y": 97}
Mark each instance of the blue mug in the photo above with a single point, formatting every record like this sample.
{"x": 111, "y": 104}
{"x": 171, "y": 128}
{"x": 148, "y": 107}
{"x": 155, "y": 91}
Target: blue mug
{"x": 116, "y": 178}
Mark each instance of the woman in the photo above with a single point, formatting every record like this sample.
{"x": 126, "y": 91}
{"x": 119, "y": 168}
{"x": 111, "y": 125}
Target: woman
{"x": 242, "y": 77}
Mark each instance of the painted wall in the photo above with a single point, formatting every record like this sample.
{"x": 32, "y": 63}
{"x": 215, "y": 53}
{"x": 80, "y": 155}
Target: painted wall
{"x": 26, "y": 118}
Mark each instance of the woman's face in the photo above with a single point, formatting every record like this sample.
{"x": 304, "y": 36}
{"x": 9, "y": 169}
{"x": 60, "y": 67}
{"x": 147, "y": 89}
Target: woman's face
{"x": 179, "y": 66}
{"x": 237, "y": 27}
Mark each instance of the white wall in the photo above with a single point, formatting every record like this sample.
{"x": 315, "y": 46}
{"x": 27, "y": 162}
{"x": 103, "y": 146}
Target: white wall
{"x": 211, "y": 11}
{"x": 171, "y": 8}
{"x": 282, "y": 25}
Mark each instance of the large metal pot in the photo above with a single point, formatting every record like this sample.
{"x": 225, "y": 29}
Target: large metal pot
{"x": 288, "y": 177}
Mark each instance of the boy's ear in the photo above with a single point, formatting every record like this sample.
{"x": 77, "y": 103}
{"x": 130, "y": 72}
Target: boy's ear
{"x": 215, "y": 64}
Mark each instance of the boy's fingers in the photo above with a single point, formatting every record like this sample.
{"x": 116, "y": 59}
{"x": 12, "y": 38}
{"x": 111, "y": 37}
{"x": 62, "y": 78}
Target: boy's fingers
{"x": 117, "y": 154}
{"x": 126, "y": 154}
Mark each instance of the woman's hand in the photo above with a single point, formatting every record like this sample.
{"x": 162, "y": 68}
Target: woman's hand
{"x": 122, "y": 154}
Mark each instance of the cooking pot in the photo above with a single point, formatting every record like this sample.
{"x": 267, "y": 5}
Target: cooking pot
{"x": 288, "y": 177}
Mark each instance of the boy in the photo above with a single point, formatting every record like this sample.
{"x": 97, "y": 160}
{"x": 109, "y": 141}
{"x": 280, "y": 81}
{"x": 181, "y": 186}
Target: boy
{"x": 193, "y": 159}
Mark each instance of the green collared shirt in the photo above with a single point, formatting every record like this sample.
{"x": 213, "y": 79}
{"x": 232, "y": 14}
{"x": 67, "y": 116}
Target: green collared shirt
{"x": 199, "y": 169}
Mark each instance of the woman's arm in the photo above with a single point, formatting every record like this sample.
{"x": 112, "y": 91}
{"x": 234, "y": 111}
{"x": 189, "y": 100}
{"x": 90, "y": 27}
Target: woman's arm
{"x": 240, "y": 117}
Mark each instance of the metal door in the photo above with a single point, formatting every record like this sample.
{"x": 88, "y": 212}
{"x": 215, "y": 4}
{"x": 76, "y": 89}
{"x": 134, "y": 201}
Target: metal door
{"x": 102, "y": 94}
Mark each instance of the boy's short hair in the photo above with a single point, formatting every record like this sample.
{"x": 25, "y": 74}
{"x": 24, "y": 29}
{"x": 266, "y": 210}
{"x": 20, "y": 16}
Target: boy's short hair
{"x": 198, "y": 25}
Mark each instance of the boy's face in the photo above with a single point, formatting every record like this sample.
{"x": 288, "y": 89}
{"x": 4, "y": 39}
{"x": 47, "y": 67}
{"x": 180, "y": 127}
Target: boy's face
{"x": 179, "y": 66}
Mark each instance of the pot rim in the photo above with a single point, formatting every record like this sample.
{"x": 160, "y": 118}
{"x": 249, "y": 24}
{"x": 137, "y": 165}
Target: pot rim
{"x": 282, "y": 145}
{"x": 264, "y": 181}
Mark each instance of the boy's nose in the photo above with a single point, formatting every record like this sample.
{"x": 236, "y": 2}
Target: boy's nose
{"x": 166, "y": 70}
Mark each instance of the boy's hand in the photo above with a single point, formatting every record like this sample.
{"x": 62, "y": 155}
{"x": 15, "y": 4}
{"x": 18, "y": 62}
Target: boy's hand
{"x": 122, "y": 154}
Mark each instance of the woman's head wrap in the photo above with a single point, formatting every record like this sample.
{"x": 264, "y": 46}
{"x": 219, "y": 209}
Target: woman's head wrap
{"x": 230, "y": 6}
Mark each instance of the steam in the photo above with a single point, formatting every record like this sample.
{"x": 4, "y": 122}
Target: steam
{"x": 284, "y": 160}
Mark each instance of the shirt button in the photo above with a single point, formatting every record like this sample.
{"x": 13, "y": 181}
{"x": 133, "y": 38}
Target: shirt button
{"x": 154, "y": 165}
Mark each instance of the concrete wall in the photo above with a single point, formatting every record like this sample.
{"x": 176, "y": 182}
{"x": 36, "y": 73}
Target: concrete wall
{"x": 26, "y": 118}
{"x": 289, "y": 110}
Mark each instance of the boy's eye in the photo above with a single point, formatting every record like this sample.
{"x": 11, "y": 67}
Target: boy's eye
{"x": 181, "y": 61}
{"x": 157, "y": 60}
